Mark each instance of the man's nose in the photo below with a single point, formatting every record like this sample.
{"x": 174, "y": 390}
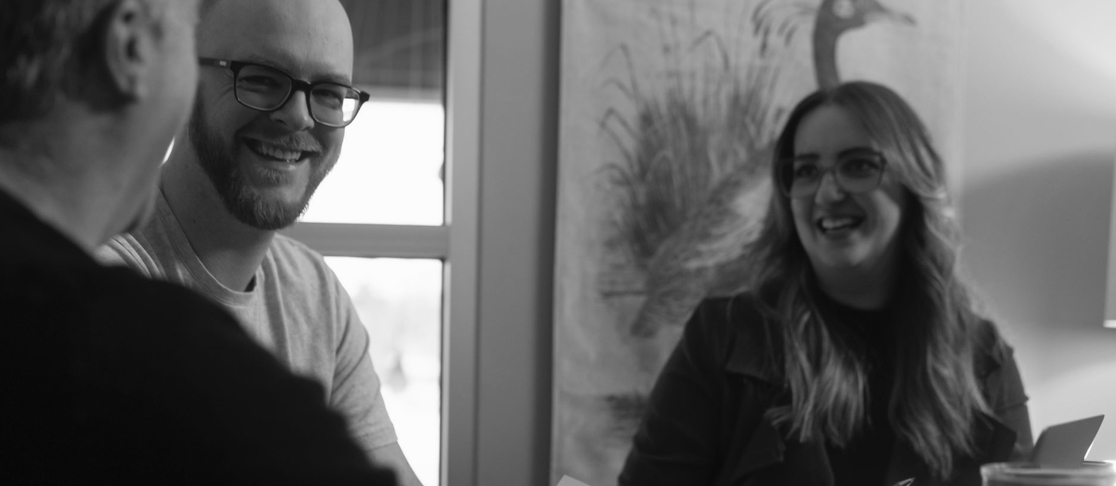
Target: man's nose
{"x": 295, "y": 114}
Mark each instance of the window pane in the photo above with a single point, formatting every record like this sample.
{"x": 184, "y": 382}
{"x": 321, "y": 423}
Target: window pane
{"x": 390, "y": 169}
{"x": 400, "y": 303}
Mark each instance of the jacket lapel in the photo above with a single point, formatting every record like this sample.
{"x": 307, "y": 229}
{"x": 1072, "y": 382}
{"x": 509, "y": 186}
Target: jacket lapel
{"x": 764, "y": 457}
{"x": 764, "y": 449}
{"x": 769, "y": 460}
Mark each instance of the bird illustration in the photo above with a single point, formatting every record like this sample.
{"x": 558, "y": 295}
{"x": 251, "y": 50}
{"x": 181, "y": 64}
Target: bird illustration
{"x": 829, "y": 21}
{"x": 836, "y": 17}
{"x": 706, "y": 254}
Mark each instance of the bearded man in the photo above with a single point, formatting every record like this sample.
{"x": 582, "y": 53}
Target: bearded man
{"x": 274, "y": 97}
{"x": 111, "y": 378}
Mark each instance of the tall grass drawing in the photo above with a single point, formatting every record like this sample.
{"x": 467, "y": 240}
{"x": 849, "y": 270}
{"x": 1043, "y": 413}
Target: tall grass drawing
{"x": 681, "y": 141}
{"x": 707, "y": 124}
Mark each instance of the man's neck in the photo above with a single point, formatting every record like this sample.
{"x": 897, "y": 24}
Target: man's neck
{"x": 230, "y": 250}
{"x": 71, "y": 198}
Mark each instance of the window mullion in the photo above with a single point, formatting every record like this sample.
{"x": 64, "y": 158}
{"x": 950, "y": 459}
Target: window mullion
{"x": 373, "y": 240}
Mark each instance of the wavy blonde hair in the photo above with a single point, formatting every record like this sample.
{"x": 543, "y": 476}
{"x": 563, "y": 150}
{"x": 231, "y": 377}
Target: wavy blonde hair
{"x": 936, "y": 395}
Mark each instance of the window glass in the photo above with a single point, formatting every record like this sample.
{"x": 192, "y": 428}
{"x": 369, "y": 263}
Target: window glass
{"x": 390, "y": 168}
{"x": 399, "y": 301}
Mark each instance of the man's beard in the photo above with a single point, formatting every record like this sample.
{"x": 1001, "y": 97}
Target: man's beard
{"x": 240, "y": 198}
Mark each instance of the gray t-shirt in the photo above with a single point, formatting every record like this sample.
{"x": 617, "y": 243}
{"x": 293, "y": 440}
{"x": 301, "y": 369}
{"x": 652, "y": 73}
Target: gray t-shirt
{"x": 296, "y": 308}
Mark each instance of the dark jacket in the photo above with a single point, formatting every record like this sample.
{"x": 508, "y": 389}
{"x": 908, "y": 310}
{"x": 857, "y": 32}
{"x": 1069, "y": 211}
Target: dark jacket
{"x": 704, "y": 423}
{"x": 110, "y": 378}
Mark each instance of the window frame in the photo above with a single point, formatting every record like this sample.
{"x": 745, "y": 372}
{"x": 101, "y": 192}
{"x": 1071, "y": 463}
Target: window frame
{"x": 456, "y": 242}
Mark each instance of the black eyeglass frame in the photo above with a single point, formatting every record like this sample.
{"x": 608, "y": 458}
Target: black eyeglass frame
{"x": 296, "y": 85}
{"x": 785, "y": 185}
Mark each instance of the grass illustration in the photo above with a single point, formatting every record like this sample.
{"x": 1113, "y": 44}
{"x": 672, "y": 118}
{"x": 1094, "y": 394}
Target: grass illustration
{"x": 699, "y": 124}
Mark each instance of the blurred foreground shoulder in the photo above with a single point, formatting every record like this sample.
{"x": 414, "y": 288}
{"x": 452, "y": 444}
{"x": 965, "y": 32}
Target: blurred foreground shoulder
{"x": 199, "y": 391}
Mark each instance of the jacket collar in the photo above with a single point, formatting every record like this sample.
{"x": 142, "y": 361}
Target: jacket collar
{"x": 751, "y": 347}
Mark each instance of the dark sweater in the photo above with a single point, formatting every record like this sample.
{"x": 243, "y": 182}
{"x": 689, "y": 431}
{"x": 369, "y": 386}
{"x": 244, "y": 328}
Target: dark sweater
{"x": 110, "y": 378}
{"x": 864, "y": 460}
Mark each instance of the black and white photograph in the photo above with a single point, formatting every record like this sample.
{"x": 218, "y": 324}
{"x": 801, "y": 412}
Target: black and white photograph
{"x": 558, "y": 242}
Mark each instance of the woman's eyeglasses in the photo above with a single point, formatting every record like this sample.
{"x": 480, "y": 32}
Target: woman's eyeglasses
{"x": 854, "y": 173}
{"x": 267, "y": 89}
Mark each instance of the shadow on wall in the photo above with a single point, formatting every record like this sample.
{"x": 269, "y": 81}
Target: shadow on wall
{"x": 1037, "y": 250}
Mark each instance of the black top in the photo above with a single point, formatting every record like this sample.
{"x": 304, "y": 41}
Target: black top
{"x": 865, "y": 459}
{"x": 110, "y": 378}
{"x": 705, "y": 424}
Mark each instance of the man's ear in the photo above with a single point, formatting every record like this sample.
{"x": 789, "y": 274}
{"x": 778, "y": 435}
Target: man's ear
{"x": 129, "y": 48}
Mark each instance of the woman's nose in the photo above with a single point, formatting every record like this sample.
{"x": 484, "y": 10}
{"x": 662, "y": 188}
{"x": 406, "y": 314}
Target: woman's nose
{"x": 829, "y": 189}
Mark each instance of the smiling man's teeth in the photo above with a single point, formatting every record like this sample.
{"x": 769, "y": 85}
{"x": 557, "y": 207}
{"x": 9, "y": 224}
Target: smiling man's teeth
{"x": 277, "y": 153}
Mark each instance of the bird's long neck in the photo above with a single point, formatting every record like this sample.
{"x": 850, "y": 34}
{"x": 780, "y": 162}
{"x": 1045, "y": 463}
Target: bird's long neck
{"x": 825, "y": 54}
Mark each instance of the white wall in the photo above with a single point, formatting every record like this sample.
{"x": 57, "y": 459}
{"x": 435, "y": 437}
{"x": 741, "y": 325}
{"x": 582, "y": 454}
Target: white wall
{"x": 1036, "y": 195}
{"x": 518, "y": 161}
{"x": 1038, "y": 169}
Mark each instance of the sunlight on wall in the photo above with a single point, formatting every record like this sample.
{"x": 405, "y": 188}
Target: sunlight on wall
{"x": 1110, "y": 285}
{"x": 1040, "y": 119}
{"x": 1080, "y": 32}
{"x": 1081, "y": 29}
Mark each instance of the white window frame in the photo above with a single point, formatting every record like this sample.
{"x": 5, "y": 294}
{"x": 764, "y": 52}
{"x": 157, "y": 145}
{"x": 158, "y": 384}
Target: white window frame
{"x": 455, "y": 243}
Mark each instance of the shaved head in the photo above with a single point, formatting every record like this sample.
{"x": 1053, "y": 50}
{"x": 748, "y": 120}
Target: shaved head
{"x": 265, "y": 165}
{"x": 314, "y": 25}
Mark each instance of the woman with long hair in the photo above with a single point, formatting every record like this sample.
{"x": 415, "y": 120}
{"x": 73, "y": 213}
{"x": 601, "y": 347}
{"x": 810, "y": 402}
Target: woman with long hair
{"x": 858, "y": 356}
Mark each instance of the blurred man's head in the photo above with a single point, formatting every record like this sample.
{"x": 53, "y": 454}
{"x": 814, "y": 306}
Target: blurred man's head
{"x": 95, "y": 89}
{"x": 262, "y": 137}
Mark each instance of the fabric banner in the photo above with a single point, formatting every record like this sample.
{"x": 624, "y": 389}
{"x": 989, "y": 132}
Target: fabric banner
{"x": 669, "y": 111}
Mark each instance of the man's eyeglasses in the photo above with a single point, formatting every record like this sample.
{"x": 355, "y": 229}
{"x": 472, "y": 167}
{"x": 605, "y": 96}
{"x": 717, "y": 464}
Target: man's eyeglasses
{"x": 267, "y": 89}
{"x": 854, "y": 173}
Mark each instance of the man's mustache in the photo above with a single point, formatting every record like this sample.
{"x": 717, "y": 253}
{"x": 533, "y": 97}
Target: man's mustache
{"x": 295, "y": 142}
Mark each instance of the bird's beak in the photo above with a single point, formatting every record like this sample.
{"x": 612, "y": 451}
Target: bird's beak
{"x": 890, "y": 15}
